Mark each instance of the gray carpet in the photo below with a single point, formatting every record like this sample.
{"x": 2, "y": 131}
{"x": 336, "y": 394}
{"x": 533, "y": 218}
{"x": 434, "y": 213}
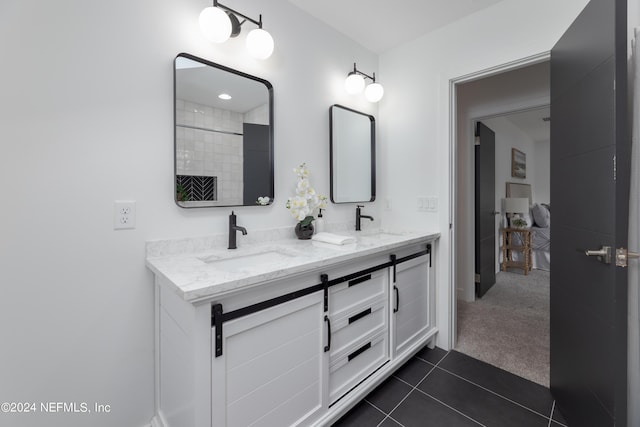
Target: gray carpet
{"x": 509, "y": 326}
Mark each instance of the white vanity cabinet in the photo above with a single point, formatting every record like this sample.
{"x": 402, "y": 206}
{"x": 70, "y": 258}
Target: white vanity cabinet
{"x": 300, "y": 348}
{"x": 413, "y": 315}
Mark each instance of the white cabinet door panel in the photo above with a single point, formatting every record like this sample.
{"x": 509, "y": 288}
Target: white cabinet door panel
{"x": 266, "y": 368}
{"x": 271, "y": 368}
{"x": 250, "y": 337}
{"x": 411, "y": 303}
{"x": 273, "y": 396}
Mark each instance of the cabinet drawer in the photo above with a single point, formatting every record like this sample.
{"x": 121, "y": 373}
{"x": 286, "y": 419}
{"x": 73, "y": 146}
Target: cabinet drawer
{"x": 353, "y": 292}
{"x": 351, "y": 325}
{"x": 352, "y": 366}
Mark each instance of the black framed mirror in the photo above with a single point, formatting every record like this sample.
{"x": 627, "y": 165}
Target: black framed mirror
{"x": 223, "y": 136}
{"x": 353, "y": 155}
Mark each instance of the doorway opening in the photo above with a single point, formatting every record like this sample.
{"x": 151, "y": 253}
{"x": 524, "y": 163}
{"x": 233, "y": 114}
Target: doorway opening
{"x": 514, "y": 103}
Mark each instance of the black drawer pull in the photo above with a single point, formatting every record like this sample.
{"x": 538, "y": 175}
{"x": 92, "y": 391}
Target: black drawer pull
{"x": 359, "y": 315}
{"x": 359, "y": 280}
{"x": 328, "y": 346}
{"x": 359, "y": 351}
{"x": 395, "y": 288}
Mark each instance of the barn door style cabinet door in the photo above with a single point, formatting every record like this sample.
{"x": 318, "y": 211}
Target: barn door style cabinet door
{"x": 413, "y": 316}
{"x": 271, "y": 370}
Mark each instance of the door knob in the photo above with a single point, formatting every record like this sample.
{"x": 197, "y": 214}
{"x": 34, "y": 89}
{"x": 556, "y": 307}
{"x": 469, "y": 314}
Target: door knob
{"x": 603, "y": 254}
{"x": 623, "y": 255}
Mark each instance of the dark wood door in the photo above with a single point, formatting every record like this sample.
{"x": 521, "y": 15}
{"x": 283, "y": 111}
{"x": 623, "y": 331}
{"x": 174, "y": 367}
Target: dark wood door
{"x": 485, "y": 200}
{"x": 589, "y": 204}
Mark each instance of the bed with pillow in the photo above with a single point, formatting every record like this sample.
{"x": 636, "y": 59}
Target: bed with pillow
{"x": 539, "y": 219}
{"x": 541, "y": 229}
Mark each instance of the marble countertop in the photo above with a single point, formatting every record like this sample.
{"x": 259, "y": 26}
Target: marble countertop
{"x": 204, "y": 269}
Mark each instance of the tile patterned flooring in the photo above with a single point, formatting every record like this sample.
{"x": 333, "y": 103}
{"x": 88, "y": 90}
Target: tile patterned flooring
{"x": 440, "y": 388}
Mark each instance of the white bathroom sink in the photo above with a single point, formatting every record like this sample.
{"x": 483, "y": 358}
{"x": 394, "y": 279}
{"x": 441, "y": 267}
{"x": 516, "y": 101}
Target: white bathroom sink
{"x": 243, "y": 262}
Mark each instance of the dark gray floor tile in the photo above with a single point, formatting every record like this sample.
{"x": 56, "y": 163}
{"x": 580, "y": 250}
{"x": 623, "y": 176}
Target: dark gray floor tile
{"x": 434, "y": 355}
{"x": 477, "y": 403}
{"x": 388, "y": 394}
{"x": 420, "y": 410}
{"x": 362, "y": 415}
{"x": 557, "y": 416}
{"x": 413, "y": 371}
{"x": 518, "y": 389}
{"x": 390, "y": 423}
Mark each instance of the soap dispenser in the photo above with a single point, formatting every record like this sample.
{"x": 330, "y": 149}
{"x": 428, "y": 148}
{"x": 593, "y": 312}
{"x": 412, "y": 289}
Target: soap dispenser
{"x": 319, "y": 226}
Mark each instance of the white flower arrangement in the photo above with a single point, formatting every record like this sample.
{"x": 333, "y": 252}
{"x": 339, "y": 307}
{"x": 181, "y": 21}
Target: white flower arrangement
{"x": 306, "y": 199}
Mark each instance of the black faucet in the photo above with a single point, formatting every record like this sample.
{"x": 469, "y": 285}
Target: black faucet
{"x": 232, "y": 231}
{"x": 359, "y": 216}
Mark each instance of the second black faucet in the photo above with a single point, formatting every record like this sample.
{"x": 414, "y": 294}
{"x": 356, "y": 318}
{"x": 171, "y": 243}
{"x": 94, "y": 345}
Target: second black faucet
{"x": 359, "y": 216}
{"x": 233, "y": 228}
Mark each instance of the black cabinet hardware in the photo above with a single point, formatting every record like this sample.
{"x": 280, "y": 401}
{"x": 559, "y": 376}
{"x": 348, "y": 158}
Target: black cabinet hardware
{"x": 359, "y": 351}
{"x": 393, "y": 265}
{"x": 325, "y": 287}
{"x": 216, "y": 310}
{"x": 359, "y": 280}
{"x": 328, "y": 346}
{"x": 263, "y": 305}
{"x": 395, "y": 288}
{"x": 359, "y": 315}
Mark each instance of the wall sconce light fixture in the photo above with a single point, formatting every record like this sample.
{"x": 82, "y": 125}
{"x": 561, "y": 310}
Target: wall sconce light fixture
{"x": 219, "y": 22}
{"x": 355, "y": 83}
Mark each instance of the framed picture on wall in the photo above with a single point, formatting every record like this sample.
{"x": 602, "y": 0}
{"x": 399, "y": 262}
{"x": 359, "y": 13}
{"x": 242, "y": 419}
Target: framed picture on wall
{"x": 518, "y": 164}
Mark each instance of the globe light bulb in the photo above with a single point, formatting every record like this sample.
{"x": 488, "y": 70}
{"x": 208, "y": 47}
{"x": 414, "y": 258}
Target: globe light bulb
{"x": 215, "y": 24}
{"x": 259, "y": 43}
{"x": 354, "y": 83}
{"x": 374, "y": 92}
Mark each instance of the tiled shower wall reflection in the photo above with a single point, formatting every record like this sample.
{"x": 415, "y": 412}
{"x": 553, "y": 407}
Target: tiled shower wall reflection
{"x": 215, "y": 150}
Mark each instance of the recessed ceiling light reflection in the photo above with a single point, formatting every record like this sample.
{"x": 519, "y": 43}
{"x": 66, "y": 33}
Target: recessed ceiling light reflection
{"x": 224, "y": 96}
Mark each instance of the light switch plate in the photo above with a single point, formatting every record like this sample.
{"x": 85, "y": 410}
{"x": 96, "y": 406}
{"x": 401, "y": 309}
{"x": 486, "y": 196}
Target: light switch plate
{"x": 427, "y": 204}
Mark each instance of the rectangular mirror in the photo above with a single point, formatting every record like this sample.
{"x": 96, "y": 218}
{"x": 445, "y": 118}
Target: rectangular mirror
{"x": 353, "y": 155}
{"x": 223, "y": 135}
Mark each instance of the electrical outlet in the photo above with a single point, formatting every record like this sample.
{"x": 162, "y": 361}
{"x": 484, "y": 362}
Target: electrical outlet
{"x": 124, "y": 214}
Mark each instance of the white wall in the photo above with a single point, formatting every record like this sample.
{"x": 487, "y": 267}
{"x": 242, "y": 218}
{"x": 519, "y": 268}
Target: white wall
{"x": 417, "y": 77}
{"x": 509, "y": 136}
{"x": 87, "y": 118}
{"x": 541, "y": 188}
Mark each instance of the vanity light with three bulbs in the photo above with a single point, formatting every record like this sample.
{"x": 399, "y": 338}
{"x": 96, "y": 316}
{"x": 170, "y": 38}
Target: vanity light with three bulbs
{"x": 218, "y": 23}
